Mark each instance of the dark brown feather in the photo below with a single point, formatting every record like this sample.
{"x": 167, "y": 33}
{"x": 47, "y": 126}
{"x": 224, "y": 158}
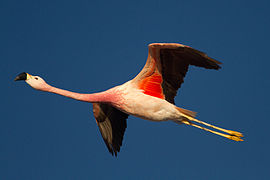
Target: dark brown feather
{"x": 175, "y": 63}
{"x": 112, "y": 125}
{"x": 172, "y": 61}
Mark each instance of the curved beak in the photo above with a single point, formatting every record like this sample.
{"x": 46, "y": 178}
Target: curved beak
{"x": 22, "y": 76}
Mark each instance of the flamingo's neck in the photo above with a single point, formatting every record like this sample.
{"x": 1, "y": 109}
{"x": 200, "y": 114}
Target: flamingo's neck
{"x": 95, "y": 97}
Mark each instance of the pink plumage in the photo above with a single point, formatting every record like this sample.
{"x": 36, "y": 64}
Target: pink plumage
{"x": 150, "y": 95}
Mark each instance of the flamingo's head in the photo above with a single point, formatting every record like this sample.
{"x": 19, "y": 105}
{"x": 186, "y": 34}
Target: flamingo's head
{"x": 35, "y": 82}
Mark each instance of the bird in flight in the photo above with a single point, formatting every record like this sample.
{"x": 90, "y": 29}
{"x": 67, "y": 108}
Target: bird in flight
{"x": 150, "y": 95}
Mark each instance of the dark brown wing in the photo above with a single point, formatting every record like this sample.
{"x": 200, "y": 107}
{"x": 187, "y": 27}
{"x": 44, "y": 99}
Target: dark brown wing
{"x": 112, "y": 125}
{"x": 170, "y": 62}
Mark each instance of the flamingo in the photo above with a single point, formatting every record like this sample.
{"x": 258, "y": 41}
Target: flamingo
{"x": 150, "y": 95}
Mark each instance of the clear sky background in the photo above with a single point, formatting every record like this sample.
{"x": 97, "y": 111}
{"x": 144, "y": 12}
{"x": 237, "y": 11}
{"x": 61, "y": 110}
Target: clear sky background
{"x": 90, "y": 46}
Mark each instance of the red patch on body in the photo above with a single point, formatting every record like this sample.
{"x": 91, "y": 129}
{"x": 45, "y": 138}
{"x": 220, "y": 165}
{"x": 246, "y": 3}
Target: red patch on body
{"x": 152, "y": 85}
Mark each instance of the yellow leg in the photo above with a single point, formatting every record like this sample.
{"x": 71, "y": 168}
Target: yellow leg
{"x": 232, "y": 137}
{"x": 233, "y": 133}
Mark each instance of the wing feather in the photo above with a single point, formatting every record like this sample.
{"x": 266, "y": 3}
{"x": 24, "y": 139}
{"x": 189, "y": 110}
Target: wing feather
{"x": 112, "y": 125}
{"x": 171, "y": 62}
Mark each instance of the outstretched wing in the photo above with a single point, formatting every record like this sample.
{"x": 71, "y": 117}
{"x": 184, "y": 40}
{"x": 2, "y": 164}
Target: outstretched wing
{"x": 112, "y": 125}
{"x": 166, "y": 67}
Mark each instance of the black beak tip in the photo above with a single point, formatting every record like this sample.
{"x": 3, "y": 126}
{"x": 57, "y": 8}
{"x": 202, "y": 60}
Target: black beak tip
{"x": 20, "y": 77}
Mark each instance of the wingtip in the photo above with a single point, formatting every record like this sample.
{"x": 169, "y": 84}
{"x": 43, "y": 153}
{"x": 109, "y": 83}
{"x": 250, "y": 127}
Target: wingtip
{"x": 216, "y": 66}
{"x": 218, "y": 63}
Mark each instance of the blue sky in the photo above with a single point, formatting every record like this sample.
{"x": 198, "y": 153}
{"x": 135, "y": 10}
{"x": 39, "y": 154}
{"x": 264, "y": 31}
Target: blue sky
{"x": 89, "y": 46}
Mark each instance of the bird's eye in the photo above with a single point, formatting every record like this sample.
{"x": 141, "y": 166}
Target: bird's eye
{"x": 36, "y": 78}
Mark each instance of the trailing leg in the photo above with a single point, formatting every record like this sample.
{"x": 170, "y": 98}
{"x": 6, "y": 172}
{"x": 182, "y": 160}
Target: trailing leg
{"x": 190, "y": 115}
{"x": 232, "y": 137}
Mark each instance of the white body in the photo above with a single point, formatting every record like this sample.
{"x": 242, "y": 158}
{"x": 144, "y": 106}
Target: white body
{"x": 133, "y": 101}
